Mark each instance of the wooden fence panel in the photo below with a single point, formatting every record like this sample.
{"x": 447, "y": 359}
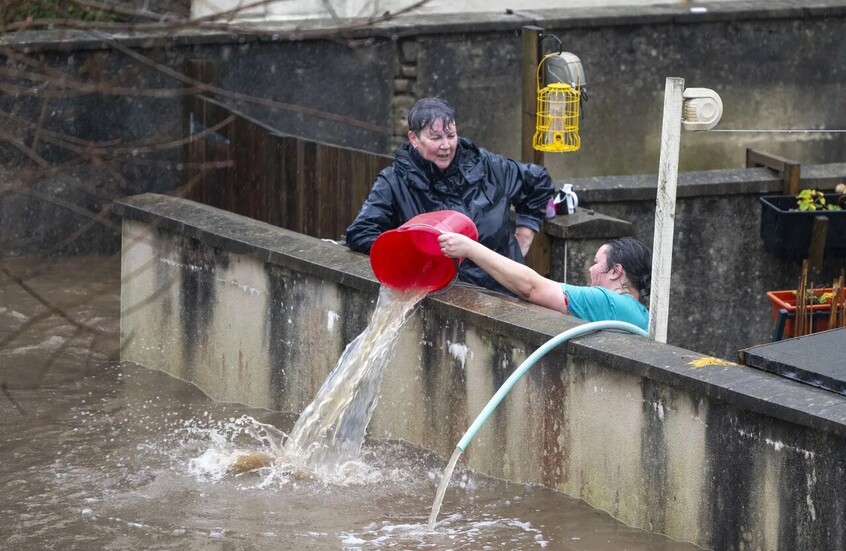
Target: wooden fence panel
{"x": 277, "y": 192}
{"x": 302, "y": 185}
{"x": 344, "y": 181}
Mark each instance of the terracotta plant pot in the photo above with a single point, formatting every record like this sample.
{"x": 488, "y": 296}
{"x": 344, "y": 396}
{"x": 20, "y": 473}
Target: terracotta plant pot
{"x": 784, "y": 313}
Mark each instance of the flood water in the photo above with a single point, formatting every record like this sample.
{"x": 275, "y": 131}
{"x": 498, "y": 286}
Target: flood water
{"x": 96, "y": 454}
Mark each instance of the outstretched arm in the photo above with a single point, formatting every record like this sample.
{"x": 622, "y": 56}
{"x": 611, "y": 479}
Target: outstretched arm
{"x": 517, "y": 278}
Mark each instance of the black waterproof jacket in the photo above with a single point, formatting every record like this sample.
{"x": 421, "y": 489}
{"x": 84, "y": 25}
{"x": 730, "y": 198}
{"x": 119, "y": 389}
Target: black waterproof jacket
{"x": 478, "y": 183}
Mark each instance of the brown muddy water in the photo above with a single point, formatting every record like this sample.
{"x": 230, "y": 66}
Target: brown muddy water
{"x": 101, "y": 455}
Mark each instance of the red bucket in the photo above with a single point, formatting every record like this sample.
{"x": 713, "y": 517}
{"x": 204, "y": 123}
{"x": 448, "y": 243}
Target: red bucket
{"x": 410, "y": 257}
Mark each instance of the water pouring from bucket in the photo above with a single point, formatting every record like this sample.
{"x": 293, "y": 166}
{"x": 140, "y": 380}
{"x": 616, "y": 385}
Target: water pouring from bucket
{"x": 409, "y": 263}
{"x": 410, "y": 258}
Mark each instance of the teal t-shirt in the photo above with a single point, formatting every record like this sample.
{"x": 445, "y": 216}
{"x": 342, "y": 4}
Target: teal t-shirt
{"x": 598, "y": 303}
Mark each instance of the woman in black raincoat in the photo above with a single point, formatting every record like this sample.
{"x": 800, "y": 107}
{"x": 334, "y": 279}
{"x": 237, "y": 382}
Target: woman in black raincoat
{"x": 436, "y": 170}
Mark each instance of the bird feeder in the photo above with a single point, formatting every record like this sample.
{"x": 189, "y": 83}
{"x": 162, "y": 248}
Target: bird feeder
{"x": 559, "y": 103}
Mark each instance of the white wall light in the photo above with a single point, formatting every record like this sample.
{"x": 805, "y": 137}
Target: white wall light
{"x": 702, "y": 109}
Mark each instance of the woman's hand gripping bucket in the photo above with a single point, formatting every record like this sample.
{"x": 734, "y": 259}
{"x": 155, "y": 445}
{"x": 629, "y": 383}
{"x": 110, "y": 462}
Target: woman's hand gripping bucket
{"x": 410, "y": 258}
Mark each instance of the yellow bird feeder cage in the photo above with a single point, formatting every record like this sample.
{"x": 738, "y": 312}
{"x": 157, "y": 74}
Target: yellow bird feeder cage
{"x": 557, "y": 125}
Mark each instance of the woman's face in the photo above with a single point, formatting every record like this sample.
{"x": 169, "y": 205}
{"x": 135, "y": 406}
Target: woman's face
{"x": 436, "y": 143}
{"x": 600, "y": 275}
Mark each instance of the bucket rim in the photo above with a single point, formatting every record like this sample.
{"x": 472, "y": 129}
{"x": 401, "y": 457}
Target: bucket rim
{"x": 419, "y": 225}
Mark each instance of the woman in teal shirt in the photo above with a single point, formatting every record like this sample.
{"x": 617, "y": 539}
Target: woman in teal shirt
{"x": 619, "y": 280}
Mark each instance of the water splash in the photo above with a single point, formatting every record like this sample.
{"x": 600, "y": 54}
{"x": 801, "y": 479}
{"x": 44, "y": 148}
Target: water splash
{"x": 233, "y": 441}
{"x": 331, "y": 430}
{"x": 250, "y": 452}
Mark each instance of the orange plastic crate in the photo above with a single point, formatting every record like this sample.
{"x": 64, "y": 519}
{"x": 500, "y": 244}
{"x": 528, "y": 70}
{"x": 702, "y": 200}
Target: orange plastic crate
{"x": 787, "y": 300}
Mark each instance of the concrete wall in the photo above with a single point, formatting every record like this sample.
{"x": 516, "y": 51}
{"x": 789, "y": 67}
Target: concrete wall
{"x": 774, "y": 66}
{"x": 725, "y": 456}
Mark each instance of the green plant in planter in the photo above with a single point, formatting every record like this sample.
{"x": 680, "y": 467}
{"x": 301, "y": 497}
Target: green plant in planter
{"x": 813, "y": 200}
{"x": 813, "y": 298}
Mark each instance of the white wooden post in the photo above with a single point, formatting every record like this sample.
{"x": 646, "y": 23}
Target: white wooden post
{"x": 665, "y": 209}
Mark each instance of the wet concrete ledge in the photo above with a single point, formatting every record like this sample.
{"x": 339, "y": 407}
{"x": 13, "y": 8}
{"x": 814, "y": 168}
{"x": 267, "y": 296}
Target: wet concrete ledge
{"x": 720, "y": 455}
{"x": 704, "y": 183}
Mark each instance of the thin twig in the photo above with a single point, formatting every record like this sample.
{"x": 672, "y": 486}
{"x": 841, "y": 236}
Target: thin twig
{"x": 4, "y": 386}
{"x": 50, "y": 306}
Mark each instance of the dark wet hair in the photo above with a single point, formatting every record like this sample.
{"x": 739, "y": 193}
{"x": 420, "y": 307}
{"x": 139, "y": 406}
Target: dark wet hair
{"x": 636, "y": 260}
{"x": 428, "y": 110}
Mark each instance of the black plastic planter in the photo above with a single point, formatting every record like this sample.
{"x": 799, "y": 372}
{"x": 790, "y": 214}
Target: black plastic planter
{"x": 787, "y": 232}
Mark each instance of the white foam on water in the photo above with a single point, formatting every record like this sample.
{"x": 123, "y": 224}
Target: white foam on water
{"x": 218, "y": 445}
{"x": 453, "y": 531}
{"x": 51, "y": 343}
{"x": 212, "y": 464}
{"x": 214, "y": 447}
{"x": 15, "y": 314}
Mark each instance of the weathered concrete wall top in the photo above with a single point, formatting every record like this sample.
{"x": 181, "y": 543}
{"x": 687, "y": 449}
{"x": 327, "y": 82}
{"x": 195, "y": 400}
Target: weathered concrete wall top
{"x": 722, "y": 455}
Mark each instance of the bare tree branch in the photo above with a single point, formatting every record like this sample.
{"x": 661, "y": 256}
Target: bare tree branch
{"x": 51, "y": 163}
{"x": 55, "y": 310}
